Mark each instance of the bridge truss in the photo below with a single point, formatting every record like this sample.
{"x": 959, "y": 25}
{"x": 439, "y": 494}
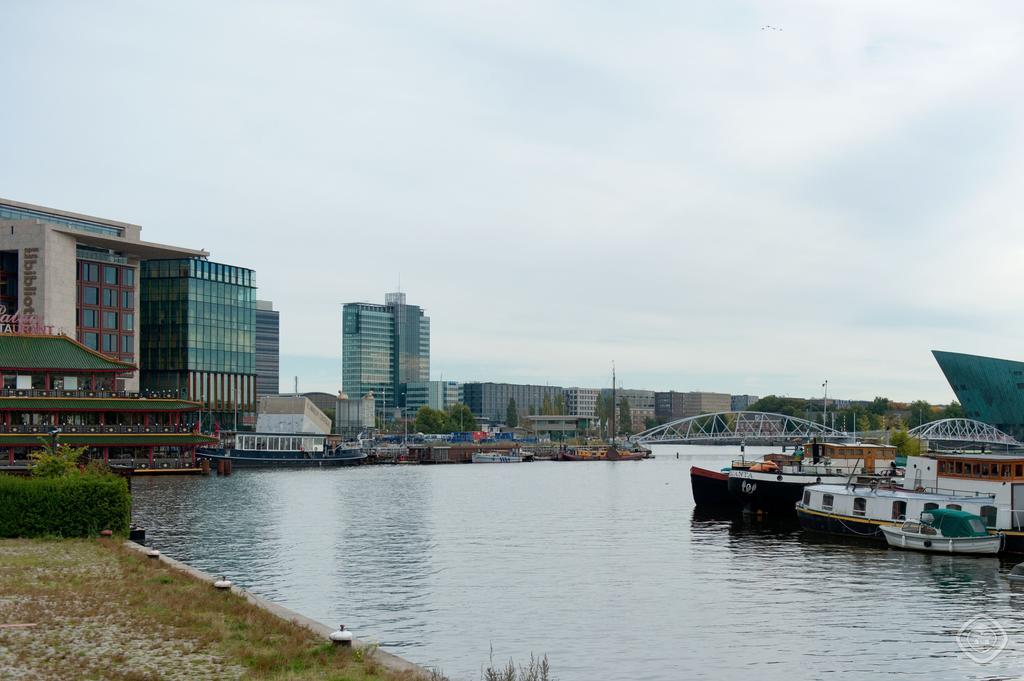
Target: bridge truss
{"x": 963, "y": 432}
{"x": 739, "y": 426}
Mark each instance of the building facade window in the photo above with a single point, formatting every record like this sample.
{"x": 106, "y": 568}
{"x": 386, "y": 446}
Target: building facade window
{"x": 110, "y": 307}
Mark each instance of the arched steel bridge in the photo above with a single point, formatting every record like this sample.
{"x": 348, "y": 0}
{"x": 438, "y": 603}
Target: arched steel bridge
{"x": 754, "y": 427}
{"x": 739, "y": 426}
{"x": 963, "y": 432}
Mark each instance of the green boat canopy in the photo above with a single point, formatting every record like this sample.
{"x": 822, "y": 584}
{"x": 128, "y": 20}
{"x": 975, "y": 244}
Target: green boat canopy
{"x": 953, "y": 523}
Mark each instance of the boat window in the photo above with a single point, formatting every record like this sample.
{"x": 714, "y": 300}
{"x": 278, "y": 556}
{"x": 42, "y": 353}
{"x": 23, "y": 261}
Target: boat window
{"x": 826, "y": 502}
{"x": 928, "y": 529}
{"x": 955, "y": 507}
{"x": 899, "y": 510}
{"x": 974, "y": 470}
{"x": 958, "y": 467}
{"x": 984, "y": 470}
{"x": 1006, "y": 470}
{"x": 911, "y": 526}
{"x": 929, "y": 506}
{"x": 261, "y": 443}
{"x": 989, "y": 514}
{"x": 976, "y": 524}
{"x": 807, "y": 497}
{"x": 1020, "y": 470}
{"x": 860, "y": 505}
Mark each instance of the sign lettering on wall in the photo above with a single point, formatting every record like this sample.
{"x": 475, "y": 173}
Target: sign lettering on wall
{"x": 19, "y": 322}
{"x": 30, "y": 259}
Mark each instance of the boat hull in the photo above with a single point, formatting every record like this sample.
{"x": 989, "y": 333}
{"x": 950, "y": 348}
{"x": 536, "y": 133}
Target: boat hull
{"x": 830, "y": 523}
{"x": 711, "y": 489}
{"x": 282, "y": 460}
{"x": 773, "y": 492}
{"x": 870, "y": 529}
{"x": 497, "y": 458}
{"x": 899, "y": 539}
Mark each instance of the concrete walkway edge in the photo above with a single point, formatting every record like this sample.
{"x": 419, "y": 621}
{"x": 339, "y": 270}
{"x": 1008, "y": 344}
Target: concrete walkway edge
{"x": 385, "y": 659}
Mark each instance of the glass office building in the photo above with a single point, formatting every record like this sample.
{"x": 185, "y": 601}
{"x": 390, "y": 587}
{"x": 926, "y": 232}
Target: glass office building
{"x": 198, "y": 321}
{"x": 384, "y": 347}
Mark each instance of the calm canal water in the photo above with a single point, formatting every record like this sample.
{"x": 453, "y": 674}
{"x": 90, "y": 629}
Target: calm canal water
{"x": 602, "y": 566}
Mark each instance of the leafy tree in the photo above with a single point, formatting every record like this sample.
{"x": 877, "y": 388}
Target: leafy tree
{"x": 460, "y": 418}
{"x": 545, "y": 407}
{"x": 55, "y": 462}
{"x": 511, "y": 414}
{"x": 880, "y": 406}
{"x": 558, "y": 406}
{"x": 602, "y": 410}
{"x": 430, "y": 420}
{"x": 904, "y": 443}
{"x": 954, "y": 411}
{"x": 789, "y": 406}
{"x": 533, "y": 410}
{"x": 650, "y": 422}
{"x": 919, "y": 412}
{"x": 625, "y": 425}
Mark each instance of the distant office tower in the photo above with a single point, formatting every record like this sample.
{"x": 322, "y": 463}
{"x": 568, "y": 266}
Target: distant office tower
{"x": 581, "y": 402}
{"x": 74, "y": 274}
{"x": 641, "y": 404}
{"x": 199, "y": 336}
{"x": 490, "y": 400}
{"x": 741, "y": 402}
{"x": 268, "y": 348}
{"x": 673, "y": 405}
{"x": 440, "y": 395}
{"x": 383, "y": 348}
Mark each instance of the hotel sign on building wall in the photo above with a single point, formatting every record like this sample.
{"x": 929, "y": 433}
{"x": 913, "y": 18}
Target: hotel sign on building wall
{"x": 19, "y": 322}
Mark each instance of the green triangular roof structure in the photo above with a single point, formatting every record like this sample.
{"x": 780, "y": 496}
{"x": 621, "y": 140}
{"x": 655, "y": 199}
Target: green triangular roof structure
{"x": 61, "y": 353}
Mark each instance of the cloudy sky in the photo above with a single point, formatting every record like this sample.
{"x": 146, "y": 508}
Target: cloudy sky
{"x": 710, "y": 204}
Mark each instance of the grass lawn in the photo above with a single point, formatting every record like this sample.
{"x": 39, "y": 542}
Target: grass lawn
{"x": 98, "y": 610}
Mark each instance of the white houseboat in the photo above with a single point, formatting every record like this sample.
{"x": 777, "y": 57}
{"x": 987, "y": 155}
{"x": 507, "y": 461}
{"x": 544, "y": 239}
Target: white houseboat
{"x": 987, "y": 485}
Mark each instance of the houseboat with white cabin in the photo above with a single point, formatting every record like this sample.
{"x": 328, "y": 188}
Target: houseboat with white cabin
{"x": 987, "y": 485}
{"x": 288, "y": 450}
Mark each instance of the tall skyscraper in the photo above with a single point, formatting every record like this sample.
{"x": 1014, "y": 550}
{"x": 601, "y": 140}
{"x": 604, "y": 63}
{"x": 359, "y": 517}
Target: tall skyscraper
{"x": 384, "y": 347}
{"x": 268, "y": 348}
{"x": 199, "y": 336}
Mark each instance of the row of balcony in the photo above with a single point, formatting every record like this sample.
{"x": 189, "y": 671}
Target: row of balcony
{"x": 66, "y": 429}
{"x": 120, "y": 394}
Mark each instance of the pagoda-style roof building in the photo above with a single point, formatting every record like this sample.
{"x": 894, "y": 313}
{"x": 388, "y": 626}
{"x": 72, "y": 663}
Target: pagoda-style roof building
{"x": 55, "y": 387}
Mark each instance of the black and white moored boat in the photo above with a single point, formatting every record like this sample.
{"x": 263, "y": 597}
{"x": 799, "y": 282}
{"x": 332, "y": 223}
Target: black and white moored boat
{"x": 777, "y": 482}
{"x": 284, "y": 450}
{"x": 987, "y": 485}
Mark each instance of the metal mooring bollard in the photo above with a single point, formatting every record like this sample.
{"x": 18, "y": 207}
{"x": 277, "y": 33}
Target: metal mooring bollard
{"x": 341, "y": 637}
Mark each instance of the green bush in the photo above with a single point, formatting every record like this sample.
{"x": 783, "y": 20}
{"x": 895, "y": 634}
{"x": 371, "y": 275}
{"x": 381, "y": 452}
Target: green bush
{"x": 73, "y": 506}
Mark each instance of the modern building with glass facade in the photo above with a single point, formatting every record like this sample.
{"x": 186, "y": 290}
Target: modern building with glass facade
{"x": 384, "y": 347}
{"x": 490, "y": 400}
{"x": 75, "y": 274}
{"x": 989, "y": 389}
{"x": 440, "y": 395}
{"x": 199, "y": 336}
{"x": 268, "y": 348}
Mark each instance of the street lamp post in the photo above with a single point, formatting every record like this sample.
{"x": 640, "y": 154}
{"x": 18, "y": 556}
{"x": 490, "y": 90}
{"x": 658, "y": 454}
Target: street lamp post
{"x": 54, "y": 432}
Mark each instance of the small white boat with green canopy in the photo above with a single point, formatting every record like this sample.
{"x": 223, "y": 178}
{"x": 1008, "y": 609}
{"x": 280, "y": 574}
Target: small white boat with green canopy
{"x": 944, "y": 530}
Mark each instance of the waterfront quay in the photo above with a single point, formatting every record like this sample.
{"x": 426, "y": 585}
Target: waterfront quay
{"x": 100, "y": 609}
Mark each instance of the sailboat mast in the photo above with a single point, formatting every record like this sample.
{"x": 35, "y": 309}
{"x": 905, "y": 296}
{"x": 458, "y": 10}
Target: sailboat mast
{"x": 613, "y": 433}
